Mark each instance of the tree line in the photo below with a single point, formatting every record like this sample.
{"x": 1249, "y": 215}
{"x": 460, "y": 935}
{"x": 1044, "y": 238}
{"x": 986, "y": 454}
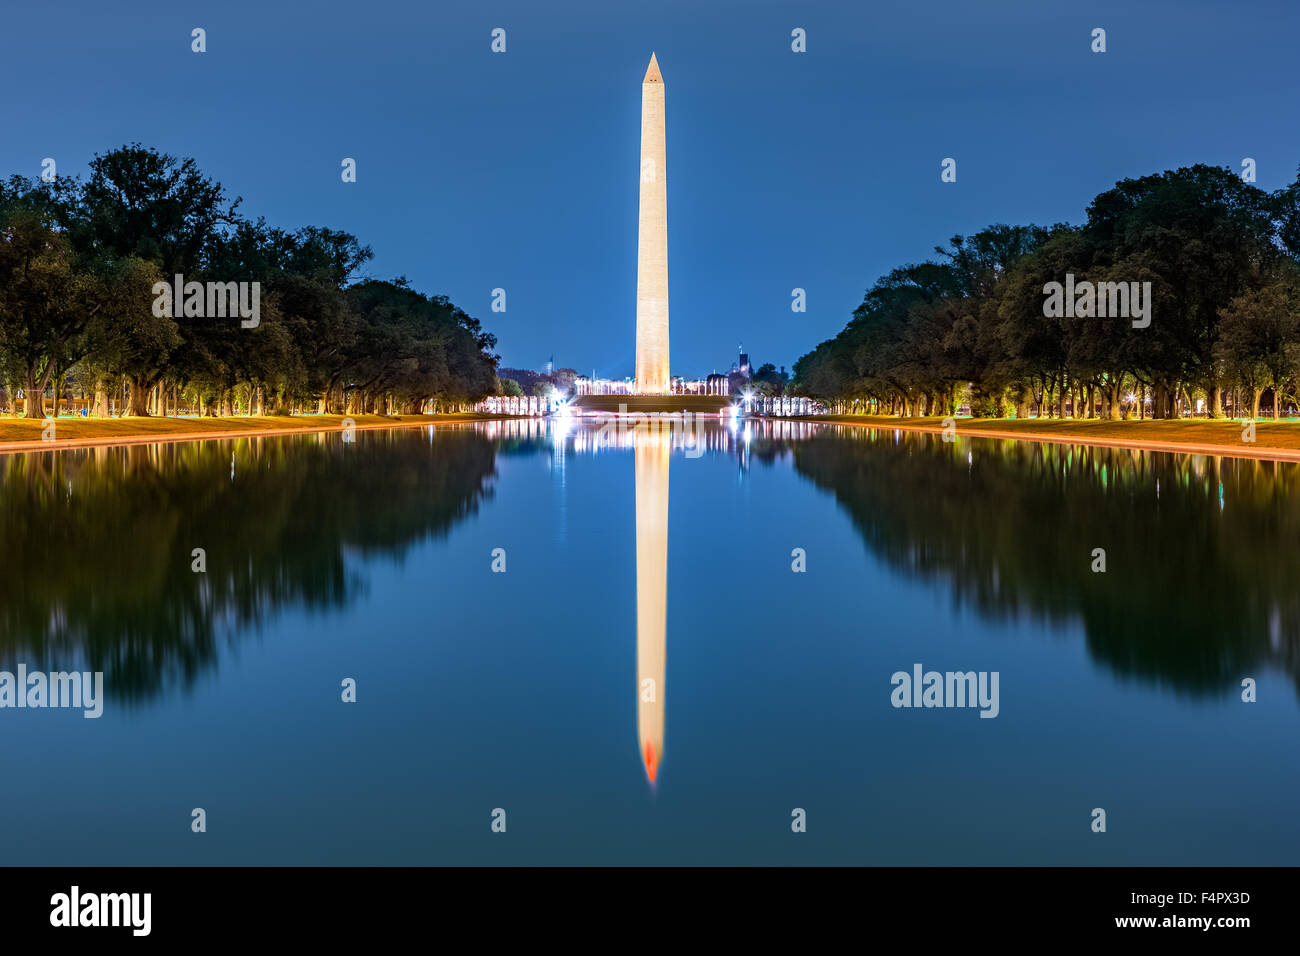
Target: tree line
{"x": 1222, "y": 257}
{"x": 522, "y": 381}
{"x": 80, "y": 263}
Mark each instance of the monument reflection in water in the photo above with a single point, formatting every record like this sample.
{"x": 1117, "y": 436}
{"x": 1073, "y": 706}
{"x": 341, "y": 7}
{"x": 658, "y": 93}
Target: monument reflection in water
{"x": 652, "y": 446}
{"x": 652, "y": 442}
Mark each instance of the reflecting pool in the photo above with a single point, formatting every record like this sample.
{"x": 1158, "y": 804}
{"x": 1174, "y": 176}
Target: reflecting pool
{"x": 655, "y": 644}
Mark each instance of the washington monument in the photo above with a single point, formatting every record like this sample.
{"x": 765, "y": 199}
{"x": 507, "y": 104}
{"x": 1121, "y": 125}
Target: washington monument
{"x": 652, "y": 370}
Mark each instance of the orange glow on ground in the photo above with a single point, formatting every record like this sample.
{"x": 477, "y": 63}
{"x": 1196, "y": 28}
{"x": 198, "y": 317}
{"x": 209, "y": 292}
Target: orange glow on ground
{"x": 651, "y": 761}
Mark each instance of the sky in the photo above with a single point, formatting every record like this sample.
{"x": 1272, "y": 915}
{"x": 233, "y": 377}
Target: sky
{"x": 817, "y": 170}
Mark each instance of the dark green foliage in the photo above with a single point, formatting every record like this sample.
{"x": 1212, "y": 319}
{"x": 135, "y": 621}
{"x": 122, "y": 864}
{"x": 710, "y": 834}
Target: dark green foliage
{"x": 77, "y": 274}
{"x": 971, "y": 328}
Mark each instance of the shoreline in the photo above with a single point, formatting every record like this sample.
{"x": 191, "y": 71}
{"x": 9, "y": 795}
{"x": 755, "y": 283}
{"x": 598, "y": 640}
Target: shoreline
{"x": 138, "y": 429}
{"x": 1047, "y": 431}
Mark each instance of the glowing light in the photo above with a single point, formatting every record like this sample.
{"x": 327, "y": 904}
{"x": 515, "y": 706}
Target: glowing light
{"x": 651, "y": 762}
{"x": 561, "y": 425}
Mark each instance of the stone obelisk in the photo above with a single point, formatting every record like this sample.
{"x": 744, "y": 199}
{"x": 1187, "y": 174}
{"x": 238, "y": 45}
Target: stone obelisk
{"x": 652, "y": 370}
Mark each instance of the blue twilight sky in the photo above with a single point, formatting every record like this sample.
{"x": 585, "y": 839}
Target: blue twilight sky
{"x": 817, "y": 170}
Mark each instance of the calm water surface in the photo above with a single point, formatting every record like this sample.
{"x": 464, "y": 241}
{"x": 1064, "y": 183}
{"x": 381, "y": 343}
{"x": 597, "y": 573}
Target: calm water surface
{"x": 659, "y": 559}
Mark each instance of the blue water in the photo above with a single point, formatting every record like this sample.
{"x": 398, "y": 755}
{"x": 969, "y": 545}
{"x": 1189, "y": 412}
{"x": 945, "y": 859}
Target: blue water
{"x": 479, "y": 690}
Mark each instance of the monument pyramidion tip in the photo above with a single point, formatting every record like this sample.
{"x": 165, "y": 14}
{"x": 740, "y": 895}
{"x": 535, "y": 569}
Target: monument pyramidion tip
{"x": 652, "y": 74}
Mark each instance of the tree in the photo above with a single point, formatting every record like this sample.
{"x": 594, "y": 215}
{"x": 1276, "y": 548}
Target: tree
{"x": 79, "y": 263}
{"x": 45, "y": 302}
{"x": 126, "y": 338}
{"x": 510, "y": 388}
{"x": 1197, "y": 233}
{"x": 152, "y": 207}
{"x": 563, "y": 378}
{"x": 414, "y": 351}
{"x": 769, "y": 380}
{"x": 140, "y": 202}
{"x": 1259, "y": 340}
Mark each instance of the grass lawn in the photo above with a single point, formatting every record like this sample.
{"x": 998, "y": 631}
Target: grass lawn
{"x": 1226, "y": 433}
{"x": 79, "y": 429}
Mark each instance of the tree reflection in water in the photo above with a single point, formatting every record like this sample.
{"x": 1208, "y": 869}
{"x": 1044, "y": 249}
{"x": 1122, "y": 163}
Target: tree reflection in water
{"x": 97, "y": 543}
{"x": 1200, "y": 586}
